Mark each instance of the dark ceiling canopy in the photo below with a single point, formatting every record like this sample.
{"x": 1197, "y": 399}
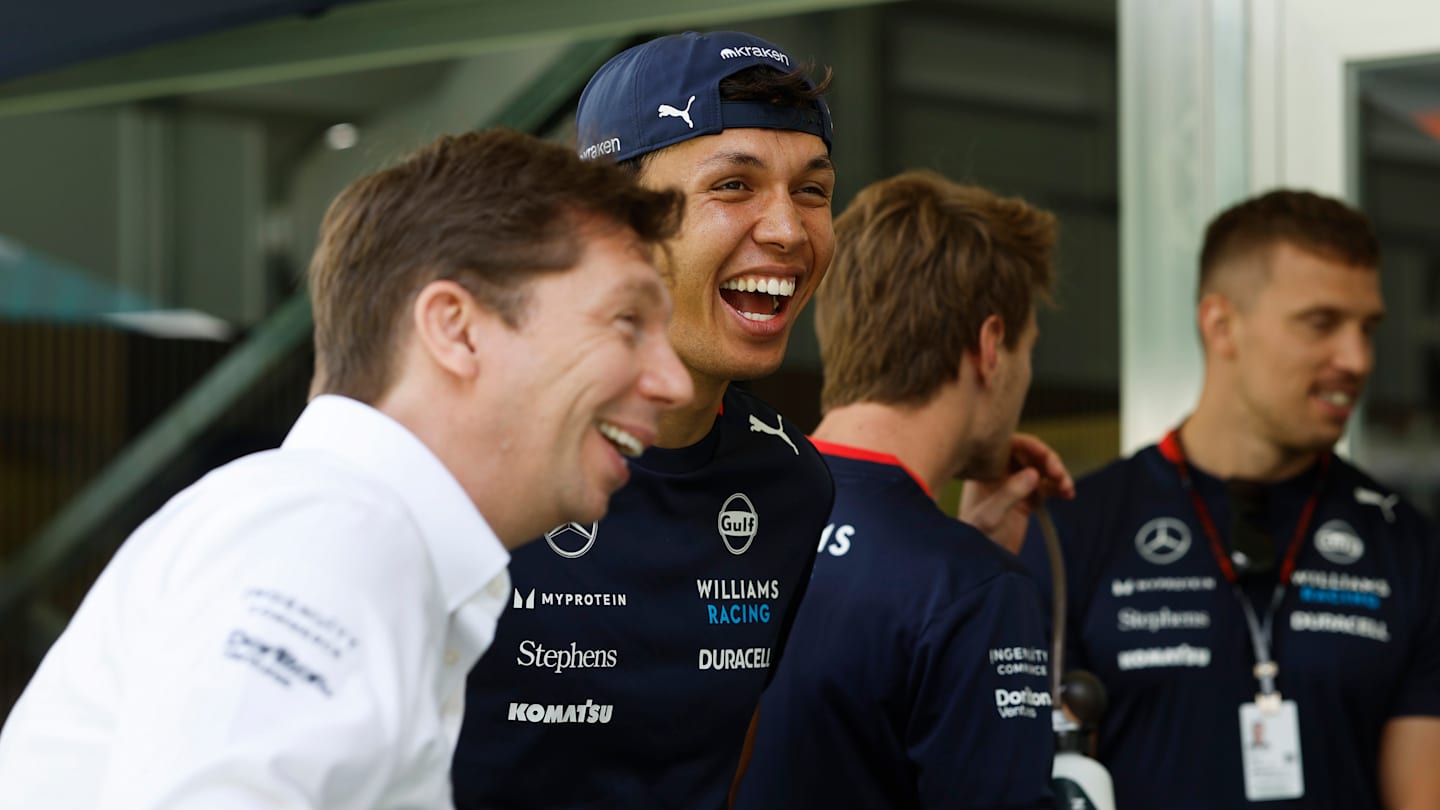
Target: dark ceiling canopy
{"x": 42, "y": 35}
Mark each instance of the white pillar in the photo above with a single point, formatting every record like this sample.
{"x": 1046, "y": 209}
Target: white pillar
{"x": 1184, "y": 155}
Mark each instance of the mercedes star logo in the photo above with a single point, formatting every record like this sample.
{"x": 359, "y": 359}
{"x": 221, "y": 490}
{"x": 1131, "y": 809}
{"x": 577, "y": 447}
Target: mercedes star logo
{"x": 1163, "y": 540}
{"x": 572, "y": 539}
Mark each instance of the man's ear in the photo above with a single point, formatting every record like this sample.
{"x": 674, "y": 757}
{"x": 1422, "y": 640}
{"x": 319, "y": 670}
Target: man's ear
{"x": 1216, "y": 317}
{"x": 992, "y": 342}
{"x": 447, "y": 321}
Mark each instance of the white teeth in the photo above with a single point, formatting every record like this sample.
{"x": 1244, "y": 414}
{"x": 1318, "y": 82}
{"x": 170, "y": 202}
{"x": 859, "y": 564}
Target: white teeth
{"x": 758, "y": 316}
{"x": 1339, "y": 399}
{"x": 629, "y": 446}
{"x": 762, "y": 284}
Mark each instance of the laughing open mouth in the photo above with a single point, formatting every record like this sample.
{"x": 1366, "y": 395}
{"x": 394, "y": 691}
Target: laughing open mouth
{"x": 628, "y": 445}
{"x": 758, "y": 298}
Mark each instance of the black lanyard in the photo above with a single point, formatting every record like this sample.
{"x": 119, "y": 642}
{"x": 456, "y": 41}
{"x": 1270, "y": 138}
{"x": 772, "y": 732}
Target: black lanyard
{"x": 1261, "y": 633}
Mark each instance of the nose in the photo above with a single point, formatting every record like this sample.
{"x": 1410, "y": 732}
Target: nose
{"x": 1355, "y": 352}
{"x": 779, "y": 222}
{"x": 665, "y": 379}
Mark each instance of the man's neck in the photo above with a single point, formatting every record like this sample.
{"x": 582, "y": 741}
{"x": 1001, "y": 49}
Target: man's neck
{"x": 685, "y": 426}
{"x": 1228, "y": 447}
{"x": 911, "y": 435}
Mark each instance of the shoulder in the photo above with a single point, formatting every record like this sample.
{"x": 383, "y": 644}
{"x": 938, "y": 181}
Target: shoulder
{"x": 1349, "y": 482}
{"x": 742, "y": 408}
{"x": 759, "y": 431}
{"x": 1126, "y": 483}
{"x": 1353, "y": 490}
{"x": 294, "y": 567}
{"x": 979, "y": 561}
{"x": 977, "y": 579}
{"x": 297, "y": 515}
{"x": 955, "y": 556}
{"x": 1145, "y": 464}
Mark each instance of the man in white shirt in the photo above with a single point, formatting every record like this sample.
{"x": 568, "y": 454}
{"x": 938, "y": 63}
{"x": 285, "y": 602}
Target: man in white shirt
{"x": 294, "y": 630}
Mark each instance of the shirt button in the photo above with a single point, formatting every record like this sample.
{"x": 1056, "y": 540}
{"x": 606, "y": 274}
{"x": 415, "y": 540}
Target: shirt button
{"x": 451, "y": 657}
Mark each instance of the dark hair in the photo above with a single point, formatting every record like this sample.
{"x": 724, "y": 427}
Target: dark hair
{"x": 488, "y": 210}
{"x": 1321, "y": 225}
{"x": 920, "y": 263}
{"x": 791, "y": 88}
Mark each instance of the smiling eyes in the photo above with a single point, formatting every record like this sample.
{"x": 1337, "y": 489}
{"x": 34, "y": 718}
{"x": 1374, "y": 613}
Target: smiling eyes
{"x": 818, "y": 192}
{"x": 635, "y": 325}
{"x": 1322, "y": 322}
{"x": 1325, "y": 322}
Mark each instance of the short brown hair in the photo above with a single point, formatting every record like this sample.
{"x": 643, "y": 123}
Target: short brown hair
{"x": 1316, "y": 224}
{"x": 489, "y": 210}
{"x": 920, "y": 263}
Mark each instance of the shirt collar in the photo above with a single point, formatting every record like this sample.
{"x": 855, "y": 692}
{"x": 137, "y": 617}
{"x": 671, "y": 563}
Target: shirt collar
{"x": 464, "y": 550}
{"x": 861, "y": 454}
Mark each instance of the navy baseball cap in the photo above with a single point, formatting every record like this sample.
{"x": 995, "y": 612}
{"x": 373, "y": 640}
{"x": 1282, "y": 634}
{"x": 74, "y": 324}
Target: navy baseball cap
{"x": 668, "y": 90}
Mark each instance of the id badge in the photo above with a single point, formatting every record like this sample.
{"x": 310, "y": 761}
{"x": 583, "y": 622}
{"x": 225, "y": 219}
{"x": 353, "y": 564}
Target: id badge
{"x": 1270, "y": 752}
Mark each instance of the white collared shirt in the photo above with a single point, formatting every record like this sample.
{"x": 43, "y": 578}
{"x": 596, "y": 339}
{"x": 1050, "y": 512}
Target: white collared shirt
{"x": 293, "y": 631}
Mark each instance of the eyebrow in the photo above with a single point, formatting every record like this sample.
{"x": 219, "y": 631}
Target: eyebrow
{"x": 647, "y": 288}
{"x": 729, "y": 159}
{"x": 735, "y": 159}
{"x": 820, "y": 163}
{"x": 1336, "y": 310}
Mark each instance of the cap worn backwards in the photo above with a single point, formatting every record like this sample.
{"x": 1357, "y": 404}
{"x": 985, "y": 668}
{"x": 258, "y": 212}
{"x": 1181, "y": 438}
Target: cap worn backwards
{"x": 668, "y": 90}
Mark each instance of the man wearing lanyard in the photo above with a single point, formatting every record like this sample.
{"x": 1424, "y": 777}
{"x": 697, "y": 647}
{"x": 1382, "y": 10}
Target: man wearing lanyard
{"x": 1239, "y": 582}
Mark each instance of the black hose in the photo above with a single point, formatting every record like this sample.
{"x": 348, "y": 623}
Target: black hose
{"x": 1058, "y": 597}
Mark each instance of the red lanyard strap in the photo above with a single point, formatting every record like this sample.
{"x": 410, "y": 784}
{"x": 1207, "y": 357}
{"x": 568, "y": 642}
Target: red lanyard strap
{"x": 1174, "y": 452}
{"x": 1261, "y": 633}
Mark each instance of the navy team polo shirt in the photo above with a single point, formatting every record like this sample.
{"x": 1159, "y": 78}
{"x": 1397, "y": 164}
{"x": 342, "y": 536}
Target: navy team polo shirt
{"x": 1357, "y": 637}
{"x": 634, "y": 652}
{"x": 917, "y": 672}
